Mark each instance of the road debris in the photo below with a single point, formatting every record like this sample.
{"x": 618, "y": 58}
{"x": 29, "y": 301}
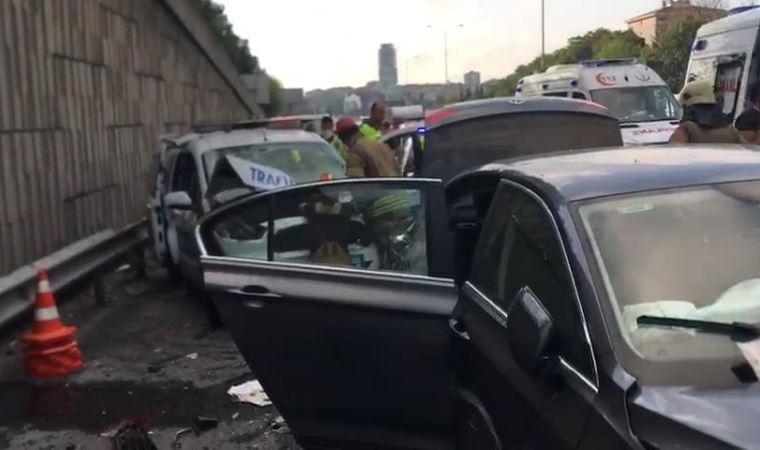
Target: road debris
{"x": 278, "y": 424}
{"x": 129, "y": 435}
{"x": 192, "y": 356}
{"x": 202, "y": 423}
{"x": 250, "y": 392}
{"x": 179, "y": 434}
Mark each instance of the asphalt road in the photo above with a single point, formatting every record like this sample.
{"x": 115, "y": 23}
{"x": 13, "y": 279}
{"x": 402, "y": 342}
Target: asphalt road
{"x": 140, "y": 364}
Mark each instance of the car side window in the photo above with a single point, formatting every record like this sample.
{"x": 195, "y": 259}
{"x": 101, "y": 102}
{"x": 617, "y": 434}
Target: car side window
{"x": 193, "y": 181}
{"x": 242, "y": 232}
{"x": 179, "y": 173}
{"x": 484, "y": 272}
{"x": 369, "y": 226}
{"x": 579, "y": 96}
{"x": 185, "y": 177}
{"x": 524, "y": 250}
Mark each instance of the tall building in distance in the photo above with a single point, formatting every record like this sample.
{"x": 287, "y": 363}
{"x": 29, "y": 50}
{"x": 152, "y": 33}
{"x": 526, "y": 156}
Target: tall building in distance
{"x": 472, "y": 81}
{"x": 387, "y": 69}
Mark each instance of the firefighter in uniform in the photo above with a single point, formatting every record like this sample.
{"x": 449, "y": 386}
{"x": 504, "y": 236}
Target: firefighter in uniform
{"x": 703, "y": 121}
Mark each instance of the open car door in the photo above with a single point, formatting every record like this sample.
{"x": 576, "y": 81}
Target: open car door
{"x": 338, "y": 296}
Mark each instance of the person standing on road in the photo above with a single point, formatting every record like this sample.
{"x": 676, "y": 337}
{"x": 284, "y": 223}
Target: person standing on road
{"x": 328, "y": 134}
{"x": 748, "y": 122}
{"x": 372, "y": 128}
{"x": 703, "y": 122}
{"x": 366, "y": 158}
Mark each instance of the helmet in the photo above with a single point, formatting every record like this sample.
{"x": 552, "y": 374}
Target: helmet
{"x": 344, "y": 125}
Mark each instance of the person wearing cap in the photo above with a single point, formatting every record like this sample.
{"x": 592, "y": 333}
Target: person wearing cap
{"x": 702, "y": 121}
{"x": 748, "y": 122}
{"x": 366, "y": 158}
{"x": 328, "y": 134}
{"x": 373, "y": 127}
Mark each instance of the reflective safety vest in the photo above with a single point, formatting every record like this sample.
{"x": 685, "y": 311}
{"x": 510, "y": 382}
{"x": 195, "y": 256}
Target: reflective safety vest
{"x": 370, "y": 132}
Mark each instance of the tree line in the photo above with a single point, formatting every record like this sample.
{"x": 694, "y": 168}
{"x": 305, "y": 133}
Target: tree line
{"x": 239, "y": 51}
{"x": 668, "y": 56}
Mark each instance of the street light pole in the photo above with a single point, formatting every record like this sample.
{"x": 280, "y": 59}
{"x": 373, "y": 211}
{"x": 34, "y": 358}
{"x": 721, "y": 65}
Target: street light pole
{"x": 446, "y": 51}
{"x": 543, "y": 35}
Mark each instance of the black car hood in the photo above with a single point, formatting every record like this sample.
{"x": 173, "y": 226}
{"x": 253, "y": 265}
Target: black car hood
{"x": 688, "y": 417}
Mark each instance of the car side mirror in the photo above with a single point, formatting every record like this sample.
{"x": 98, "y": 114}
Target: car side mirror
{"x": 179, "y": 200}
{"x": 529, "y": 329}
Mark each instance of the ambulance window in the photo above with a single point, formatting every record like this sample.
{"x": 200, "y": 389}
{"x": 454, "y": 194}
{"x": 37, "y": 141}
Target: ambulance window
{"x": 579, "y": 96}
{"x": 727, "y": 84}
{"x": 555, "y": 94}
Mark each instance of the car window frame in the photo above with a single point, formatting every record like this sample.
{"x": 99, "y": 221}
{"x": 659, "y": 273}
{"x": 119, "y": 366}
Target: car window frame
{"x": 593, "y": 382}
{"x": 426, "y": 186}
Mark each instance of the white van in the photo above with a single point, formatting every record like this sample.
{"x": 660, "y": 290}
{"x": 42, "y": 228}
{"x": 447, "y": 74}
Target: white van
{"x": 725, "y": 52}
{"x": 634, "y": 93}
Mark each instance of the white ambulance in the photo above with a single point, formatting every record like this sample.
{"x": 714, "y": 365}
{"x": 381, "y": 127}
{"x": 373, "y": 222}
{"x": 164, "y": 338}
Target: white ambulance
{"x": 725, "y": 52}
{"x": 634, "y": 93}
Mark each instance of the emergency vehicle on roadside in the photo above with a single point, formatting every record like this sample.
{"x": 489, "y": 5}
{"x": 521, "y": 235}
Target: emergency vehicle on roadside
{"x": 725, "y": 53}
{"x": 196, "y": 172}
{"x": 634, "y": 93}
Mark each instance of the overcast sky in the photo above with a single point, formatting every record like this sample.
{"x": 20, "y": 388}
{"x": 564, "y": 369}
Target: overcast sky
{"x": 320, "y": 44}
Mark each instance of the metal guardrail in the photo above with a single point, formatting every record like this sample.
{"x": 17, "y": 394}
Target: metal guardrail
{"x": 66, "y": 266}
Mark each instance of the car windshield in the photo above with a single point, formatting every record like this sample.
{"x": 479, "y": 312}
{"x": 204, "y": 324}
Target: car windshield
{"x": 692, "y": 254}
{"x": 639, "y": 104}
{"x": 260, "y": 165}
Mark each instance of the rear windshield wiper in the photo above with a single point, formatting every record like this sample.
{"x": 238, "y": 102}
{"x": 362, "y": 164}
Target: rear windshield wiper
{"x": 736, "y": 331}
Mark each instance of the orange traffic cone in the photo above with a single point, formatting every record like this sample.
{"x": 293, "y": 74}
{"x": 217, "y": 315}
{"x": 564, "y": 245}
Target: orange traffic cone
{"x": 50, "y": 350}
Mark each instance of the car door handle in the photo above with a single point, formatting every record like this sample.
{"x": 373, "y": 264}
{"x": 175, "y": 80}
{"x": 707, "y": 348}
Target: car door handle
{"x": 458, "y": 329}
{"x": 254, "y": 290}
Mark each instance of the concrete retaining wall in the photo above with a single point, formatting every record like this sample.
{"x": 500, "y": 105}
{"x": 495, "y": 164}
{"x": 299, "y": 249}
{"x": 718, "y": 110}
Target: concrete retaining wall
{"x": 86, "y": 88}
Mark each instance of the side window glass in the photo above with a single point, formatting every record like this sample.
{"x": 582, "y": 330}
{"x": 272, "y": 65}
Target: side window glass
{"x": 491, "y": 243}
{"x": 368, "y": 226}
{"x": 241, "y": 233}
{"x": 364, "y": 226}
{"x": 193, "y": 183}
{"x": 179, "y": 173}
{"x": 519, "y": 247}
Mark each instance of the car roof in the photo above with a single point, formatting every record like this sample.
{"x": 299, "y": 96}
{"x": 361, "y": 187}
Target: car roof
{"x": 581, "y": 175}
{"x": 474, "y": 109}
{"x": 233, "y": 138}
{"x": 402, "y": 131}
